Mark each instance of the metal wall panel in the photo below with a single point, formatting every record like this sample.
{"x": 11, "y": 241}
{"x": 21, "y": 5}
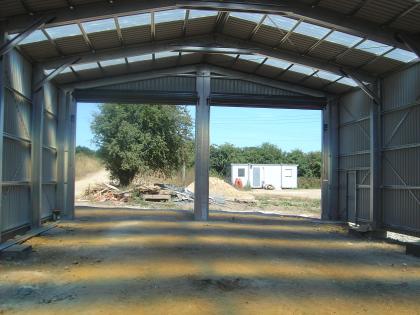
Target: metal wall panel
{"x": 15, "y": 207}
{"x": 401, "y": 151}
{"x": 50, "y": 130}
{"x": 49, "y": 152}
{"x": 17, "y": 113}
{"x": 50, "y": 98}
{"x": 400, "y": 127}
{"x": 48, "y": 200}
{"x": 169, "y": 84}
{"x": 16, "y": 161}
{"x": 16, "y": 155}
{"x": 401, "y": 88}
{"x": 354, "y": 156}
{"x": 18, "y": 73}
{"x": 244, "y": 87}
{"x": 49, "y": 166}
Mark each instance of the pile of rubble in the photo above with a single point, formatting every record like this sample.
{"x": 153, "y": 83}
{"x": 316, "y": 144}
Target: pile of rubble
{"x": 158, "y": 192}
{"x": 220, "y": 193}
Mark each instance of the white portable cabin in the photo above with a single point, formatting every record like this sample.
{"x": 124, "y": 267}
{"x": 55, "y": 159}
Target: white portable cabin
{"x": 258, "y": 175}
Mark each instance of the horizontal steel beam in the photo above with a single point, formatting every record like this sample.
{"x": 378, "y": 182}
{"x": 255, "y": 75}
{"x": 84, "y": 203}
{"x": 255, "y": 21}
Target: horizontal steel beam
{"x": 188, "y": 69}
{"x": 215, "y": 50}
{"x": 130, "y": 50}
{"x": 297, "y": 9}
{"x": 178, "y": 71}
{"x": 135, "y": 97}
{"x": 266, "y": 81}
{"x": 261, "y": 101}
{"x": 293, "y": 57}
{"x": 129, "y": 78}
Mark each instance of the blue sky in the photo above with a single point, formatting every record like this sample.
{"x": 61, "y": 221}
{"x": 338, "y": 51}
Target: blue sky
{"x": 288, "y": 129}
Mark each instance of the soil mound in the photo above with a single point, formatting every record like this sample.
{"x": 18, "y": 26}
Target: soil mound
{"x": 219, "y": 188}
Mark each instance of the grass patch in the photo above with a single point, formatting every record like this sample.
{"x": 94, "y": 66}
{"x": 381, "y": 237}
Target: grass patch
{"x": 309, "y": 183}
{"x": 276, "y": 203}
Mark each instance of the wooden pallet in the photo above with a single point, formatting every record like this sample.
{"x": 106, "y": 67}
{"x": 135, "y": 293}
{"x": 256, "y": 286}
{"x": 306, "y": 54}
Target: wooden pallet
{"x": 157, "y": 197}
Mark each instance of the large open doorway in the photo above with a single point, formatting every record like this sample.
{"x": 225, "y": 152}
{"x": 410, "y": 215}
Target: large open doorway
{"x": 135, "y": 155}
{"x": 266, "y": 160}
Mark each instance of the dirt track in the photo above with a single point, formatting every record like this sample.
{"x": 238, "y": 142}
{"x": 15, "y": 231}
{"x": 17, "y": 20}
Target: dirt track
{"x": 160, "y": 262}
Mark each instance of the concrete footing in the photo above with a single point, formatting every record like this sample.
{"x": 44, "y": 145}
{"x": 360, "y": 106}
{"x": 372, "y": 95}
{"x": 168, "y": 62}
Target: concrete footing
{"x": 19, "y": 251}
{"x": 413, "y": 249}
{"x": 366, "y": 233}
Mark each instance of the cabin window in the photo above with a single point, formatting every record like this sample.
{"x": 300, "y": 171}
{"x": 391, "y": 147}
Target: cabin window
{"x": 241, "y": 172}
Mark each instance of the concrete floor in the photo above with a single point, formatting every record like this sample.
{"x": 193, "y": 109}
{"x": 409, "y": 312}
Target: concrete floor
{"x": 128, "y": 261}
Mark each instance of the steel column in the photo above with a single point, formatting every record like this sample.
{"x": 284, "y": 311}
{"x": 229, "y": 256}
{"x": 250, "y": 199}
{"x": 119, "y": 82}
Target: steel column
{"x": 325, "y": 163}
{"x": 61, "y": 150}
{"x": 330, "y": 145}
{"x": 375, "y": 161}
{"x": 2, "y": 104}
{"x": 202, "y": 146}
{"x": 71, "y": 134}
{"x": 36, "y": 149}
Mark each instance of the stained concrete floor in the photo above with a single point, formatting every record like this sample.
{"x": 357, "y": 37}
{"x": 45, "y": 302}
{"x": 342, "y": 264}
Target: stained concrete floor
{"x": 127, "y": 261}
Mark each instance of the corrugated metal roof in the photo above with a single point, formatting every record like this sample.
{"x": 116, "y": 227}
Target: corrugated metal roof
{"x": 277, "y": 32}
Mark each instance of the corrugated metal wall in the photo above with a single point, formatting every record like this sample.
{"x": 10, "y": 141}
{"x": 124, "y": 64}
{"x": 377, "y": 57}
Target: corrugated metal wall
{"x": 49, "y": 153}
{"x": 354, "y": 156}
{"x": 168, "y": 84}
{"x": 236, "y": 86}
{"x": 17, "y": 138}
{"x": 400, "y": 143}
{"x": 401, "y": 150}
{"x": 16, "y": 155}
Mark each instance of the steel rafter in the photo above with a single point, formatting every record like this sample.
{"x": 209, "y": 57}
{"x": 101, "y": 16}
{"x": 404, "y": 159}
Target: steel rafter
{"x": 319, "y": 15}
{"x": 28, "y": 30}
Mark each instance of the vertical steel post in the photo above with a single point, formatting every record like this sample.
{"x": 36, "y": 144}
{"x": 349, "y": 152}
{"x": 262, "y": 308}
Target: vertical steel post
{"x": 37, "y": 148}
{"x": 2, "y": 104}
{"x": 375, "y": 161}
{"x": 61, "y": 148}
{"x": 202, "y": 146}
{"x": 71, "y": 159}
{"x": 325, "y": 163}
{"x": 330, "y": 146}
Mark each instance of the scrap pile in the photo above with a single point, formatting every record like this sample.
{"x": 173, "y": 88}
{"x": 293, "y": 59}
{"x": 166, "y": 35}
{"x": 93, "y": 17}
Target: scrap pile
{"x": 158, "y": 192}
{"x": 220, "y": 193}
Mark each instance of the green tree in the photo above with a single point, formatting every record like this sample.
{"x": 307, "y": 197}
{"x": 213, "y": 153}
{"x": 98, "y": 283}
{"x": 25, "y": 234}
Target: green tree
{"x": 222, "y": 156}
{"x": 134, "y": 138}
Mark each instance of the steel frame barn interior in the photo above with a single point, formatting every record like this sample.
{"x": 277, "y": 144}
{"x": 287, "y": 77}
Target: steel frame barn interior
{"x": 354, "y": 60}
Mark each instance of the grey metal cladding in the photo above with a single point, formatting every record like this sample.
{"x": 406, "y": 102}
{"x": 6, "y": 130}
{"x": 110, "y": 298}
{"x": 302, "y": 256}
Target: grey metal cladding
{"x": 49, "y": 166}
{"x": 18, "y": 73}
{"x": 402, "y": 88}
{"x": 236, "y": 86}
{"x": 401, "y": 145}
{"x": 48, "y": 200}
{"x": 15, "y": 202}
{"x": 17, "y": 113}
{"x": 168, "y": 84}
{"x": 16, "y": 161}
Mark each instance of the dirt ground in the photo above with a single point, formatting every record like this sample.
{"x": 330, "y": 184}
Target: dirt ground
{"x": 127, "y": 261}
